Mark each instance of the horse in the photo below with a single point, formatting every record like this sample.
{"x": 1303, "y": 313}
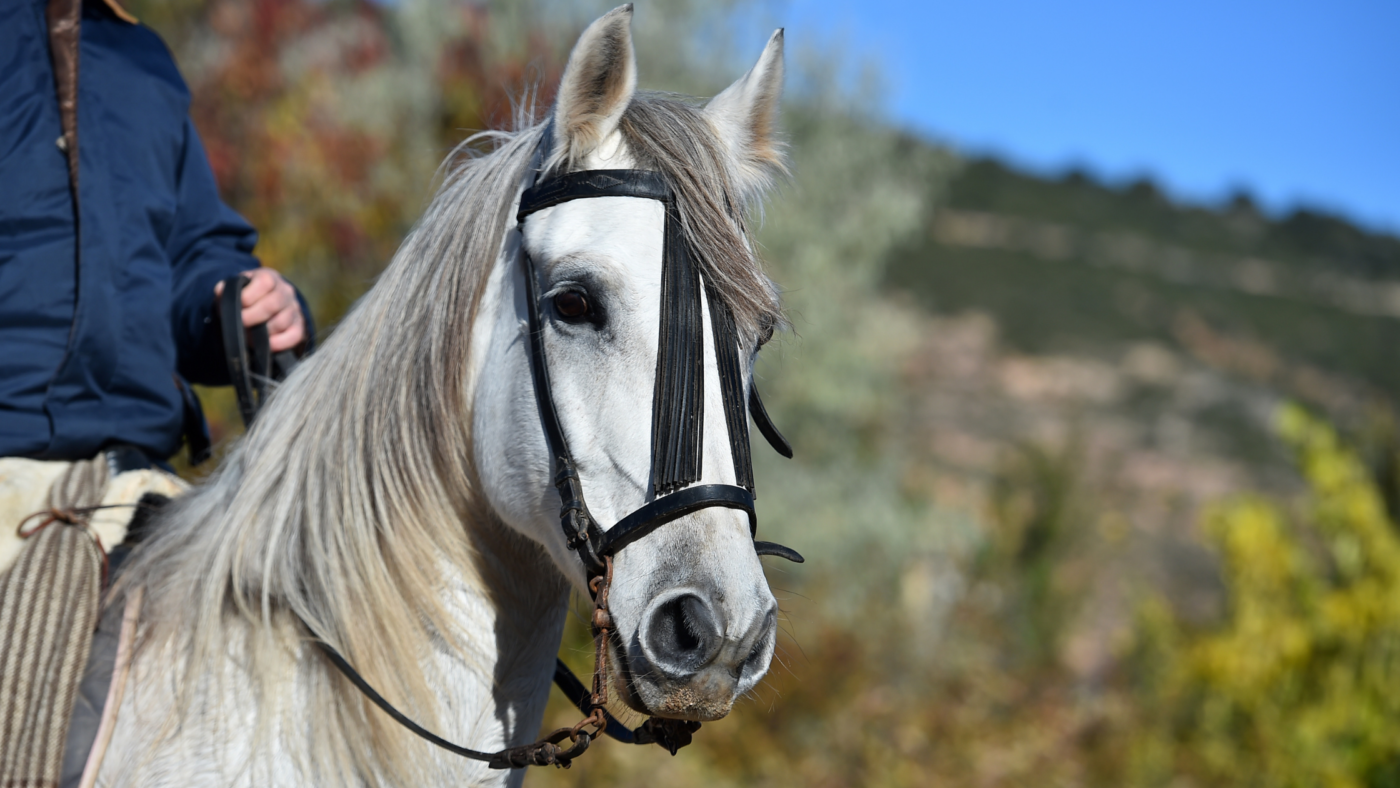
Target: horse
{"x": 396, "y": 498}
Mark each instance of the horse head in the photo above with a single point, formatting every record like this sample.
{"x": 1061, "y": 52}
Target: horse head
{"x": 693, "y": 622}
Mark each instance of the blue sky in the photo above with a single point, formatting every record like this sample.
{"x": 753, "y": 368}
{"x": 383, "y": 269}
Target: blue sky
{"x": 1296, "y": 101}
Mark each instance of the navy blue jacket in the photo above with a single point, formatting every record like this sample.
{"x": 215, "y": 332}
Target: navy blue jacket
{"x": 91, "y": 343}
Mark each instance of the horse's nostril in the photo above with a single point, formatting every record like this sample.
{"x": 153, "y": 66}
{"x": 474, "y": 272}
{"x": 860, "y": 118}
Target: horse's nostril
{"x": 755, "y": 661}
{"x": 683, "y": 635}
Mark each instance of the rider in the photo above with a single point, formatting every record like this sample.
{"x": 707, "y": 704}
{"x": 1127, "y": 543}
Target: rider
{"x": 107, "y": 292}
{"x": 113, "y": 242}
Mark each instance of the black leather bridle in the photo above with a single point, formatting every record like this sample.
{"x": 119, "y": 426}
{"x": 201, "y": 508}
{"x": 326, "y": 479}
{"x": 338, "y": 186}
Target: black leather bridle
{"x": 677, "y": 425}
{"x": 678, "y": 402}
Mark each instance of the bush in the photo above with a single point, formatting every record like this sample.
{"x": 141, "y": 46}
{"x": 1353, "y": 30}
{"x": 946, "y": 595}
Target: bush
{"x": 1301, "y": 685}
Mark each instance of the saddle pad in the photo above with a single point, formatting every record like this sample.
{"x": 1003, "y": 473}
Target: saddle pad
{"x": 48, "y": 610}
{"x": 29, "y": 486}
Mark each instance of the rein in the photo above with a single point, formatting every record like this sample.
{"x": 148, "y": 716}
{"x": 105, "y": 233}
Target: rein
{"x": 677, "y": 425}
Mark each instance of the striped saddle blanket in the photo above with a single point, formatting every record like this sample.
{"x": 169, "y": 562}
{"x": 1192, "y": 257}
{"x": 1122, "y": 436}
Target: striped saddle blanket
{"x": 58, "y": 521}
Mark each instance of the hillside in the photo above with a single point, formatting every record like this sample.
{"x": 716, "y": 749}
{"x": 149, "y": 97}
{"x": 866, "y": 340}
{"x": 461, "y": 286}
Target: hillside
{"x": 1072, "y": 264}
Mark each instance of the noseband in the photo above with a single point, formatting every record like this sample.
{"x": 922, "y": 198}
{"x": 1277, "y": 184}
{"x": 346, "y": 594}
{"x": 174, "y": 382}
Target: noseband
{"x": 677, "y": 430}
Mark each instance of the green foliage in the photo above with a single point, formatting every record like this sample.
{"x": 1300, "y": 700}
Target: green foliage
{"x": 1301, "y": 686}
{"x": 1139, "y": 206}
{"x": 1036, "y": 518}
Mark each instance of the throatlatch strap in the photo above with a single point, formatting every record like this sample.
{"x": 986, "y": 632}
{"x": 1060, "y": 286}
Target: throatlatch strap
{"x": 678, "y": 401}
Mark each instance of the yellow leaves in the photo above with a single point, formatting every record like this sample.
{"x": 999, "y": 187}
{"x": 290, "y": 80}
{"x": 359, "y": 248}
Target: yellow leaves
{"x": 1347, "y": 506}
{"x": 1261, "y": 559}
{"x": 1299, "y": 686}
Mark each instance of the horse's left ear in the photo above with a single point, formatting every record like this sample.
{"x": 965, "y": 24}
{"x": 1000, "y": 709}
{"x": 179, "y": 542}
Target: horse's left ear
{"x": 745, "y": 116}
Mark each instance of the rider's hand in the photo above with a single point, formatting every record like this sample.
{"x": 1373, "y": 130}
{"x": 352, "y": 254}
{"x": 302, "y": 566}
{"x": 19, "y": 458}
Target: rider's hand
{"x": 270, "y": 299}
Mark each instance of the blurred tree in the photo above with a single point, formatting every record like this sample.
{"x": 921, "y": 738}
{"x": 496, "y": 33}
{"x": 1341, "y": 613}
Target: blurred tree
{"x": 325, "y": 122}
{"x": 1037, "y": 514}
{"x": 1301, "y": 686}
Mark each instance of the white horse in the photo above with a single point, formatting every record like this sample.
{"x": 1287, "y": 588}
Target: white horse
{"x": 396, "y": 493}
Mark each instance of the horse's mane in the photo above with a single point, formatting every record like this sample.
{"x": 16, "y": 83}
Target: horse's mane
{"x": 354, "y": 497}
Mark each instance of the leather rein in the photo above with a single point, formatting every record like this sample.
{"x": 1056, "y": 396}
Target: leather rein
{"x": 676, "y": 433}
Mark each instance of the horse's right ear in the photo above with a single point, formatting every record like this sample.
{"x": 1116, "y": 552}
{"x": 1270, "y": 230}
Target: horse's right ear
{"x": 745, "y": 117}
{"x": 597, "y": 86}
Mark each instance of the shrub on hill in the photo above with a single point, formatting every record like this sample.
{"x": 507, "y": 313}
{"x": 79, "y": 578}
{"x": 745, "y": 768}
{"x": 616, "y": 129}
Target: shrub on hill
{"x": 1301, "y": 685}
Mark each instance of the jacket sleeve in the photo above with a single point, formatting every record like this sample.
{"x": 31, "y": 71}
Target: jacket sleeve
{"x": 208, "y": 242}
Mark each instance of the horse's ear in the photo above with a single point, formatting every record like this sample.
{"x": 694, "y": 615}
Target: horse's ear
{"x": 745, "y": 116}
{"x": 597, "y": 86}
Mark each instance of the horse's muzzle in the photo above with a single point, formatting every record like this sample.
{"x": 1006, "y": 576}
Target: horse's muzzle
{"x": 689, "y": 660}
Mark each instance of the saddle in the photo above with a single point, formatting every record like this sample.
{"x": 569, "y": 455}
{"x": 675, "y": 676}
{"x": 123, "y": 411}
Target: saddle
{"x": 60, "y": 520}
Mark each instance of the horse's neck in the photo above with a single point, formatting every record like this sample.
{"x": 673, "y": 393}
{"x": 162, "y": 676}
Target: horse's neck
{"x": 508, "y": 610}
{"x": 516, "y": 628}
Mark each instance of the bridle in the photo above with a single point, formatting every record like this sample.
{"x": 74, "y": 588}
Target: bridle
{"x": 677, "y": 414}
{"x": 678, "y": 401}
{"x": 677, "y": 427}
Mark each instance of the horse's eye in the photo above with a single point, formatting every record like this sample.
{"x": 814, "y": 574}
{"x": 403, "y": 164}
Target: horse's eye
{"x": 571, "y": 305}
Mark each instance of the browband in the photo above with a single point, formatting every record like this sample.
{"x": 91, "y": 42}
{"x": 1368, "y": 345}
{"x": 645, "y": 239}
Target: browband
{"x": 593, "y": 183}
